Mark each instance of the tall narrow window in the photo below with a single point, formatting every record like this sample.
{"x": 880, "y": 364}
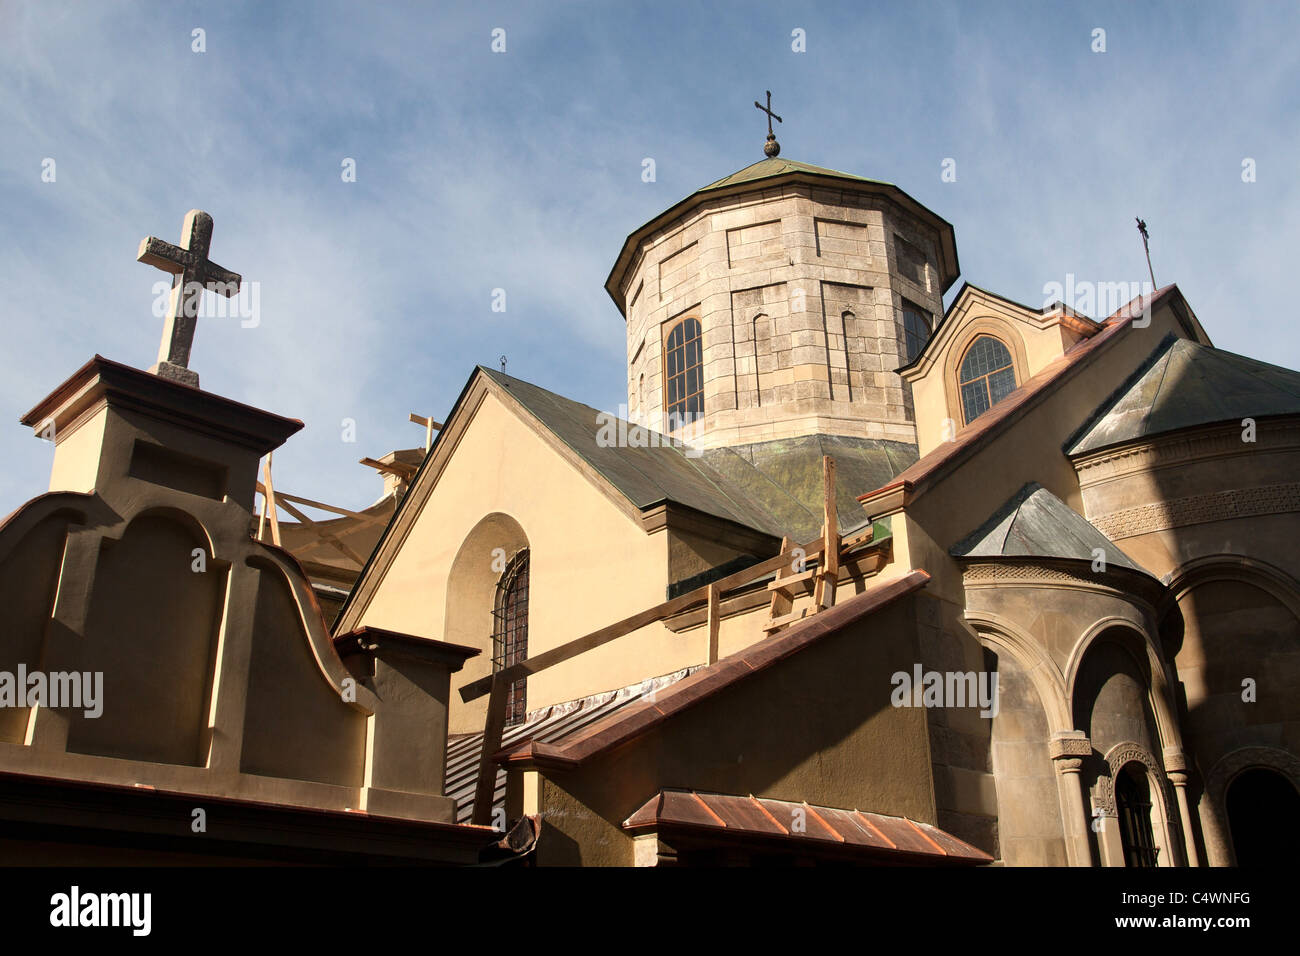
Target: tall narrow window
{"x": 1133, "y": 804}
{"x": 683, "y": 374}
{"x": 987, "y": 376}
{"x": 916, "y": 331}
{"x": 510, "y": 631}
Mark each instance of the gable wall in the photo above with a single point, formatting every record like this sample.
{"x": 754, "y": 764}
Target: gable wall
{"x": 1029, "y": 450}
{"x": 591, "y": 564}
{"x": 935, "y": 391}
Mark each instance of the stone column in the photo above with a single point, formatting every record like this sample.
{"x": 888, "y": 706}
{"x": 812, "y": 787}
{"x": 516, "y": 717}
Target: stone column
{"x": 1176, "y": 771}
{"x": 1068, "y": 750}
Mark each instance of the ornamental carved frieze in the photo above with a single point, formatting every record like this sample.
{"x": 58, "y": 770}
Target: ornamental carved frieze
{"x": 1199, "y": 509}
{"x": 1028, "y": 573}
{"x": 1103, "y": 791}
{"x": 1132, "y": 585}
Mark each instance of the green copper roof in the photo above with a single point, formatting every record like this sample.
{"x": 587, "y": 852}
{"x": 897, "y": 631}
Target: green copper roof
{"x": 1034, "y": 523}
{"x": 1184, "y": 384}
{"x": 774, "y": 487}
{"x": 767, "y": 168}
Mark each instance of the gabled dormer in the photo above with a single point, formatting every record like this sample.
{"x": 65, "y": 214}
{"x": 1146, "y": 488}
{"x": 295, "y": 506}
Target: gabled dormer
{"x": 985, "y": 347}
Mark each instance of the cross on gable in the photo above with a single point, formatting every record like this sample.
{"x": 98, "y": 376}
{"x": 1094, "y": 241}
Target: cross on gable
{"x": 193, "y": 272}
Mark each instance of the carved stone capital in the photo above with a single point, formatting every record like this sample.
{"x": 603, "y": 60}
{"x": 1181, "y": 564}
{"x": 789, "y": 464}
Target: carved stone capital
{"x": 1069, "y": 747}
{"x": 1175, "y": 761}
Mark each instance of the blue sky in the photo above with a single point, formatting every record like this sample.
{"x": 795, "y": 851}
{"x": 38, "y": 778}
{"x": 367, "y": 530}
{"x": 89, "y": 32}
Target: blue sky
{"x": 522, "y": 171}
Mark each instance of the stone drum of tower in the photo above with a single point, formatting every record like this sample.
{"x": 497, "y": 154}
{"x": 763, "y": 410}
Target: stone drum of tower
{"x": 777, "y": 303}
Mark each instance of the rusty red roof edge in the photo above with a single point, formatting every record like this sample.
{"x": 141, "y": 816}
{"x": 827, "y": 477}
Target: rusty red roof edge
{"x": 656, "y": 814}
{"x": 637, "y": 719}
{"x": 930, "y": 467}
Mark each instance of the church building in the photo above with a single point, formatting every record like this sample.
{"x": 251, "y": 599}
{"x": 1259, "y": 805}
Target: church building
{"x": 853, "y": 578}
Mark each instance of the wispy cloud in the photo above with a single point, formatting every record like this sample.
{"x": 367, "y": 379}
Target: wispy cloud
{"x": 522, "y": 171}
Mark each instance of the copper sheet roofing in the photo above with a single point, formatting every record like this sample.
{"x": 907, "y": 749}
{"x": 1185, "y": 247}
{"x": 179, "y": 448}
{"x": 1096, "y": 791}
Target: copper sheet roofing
{"x": 873, "y": 837}
{"x": 949, "y": 455}
{"x": 774, "y": 487}
{"x": 549, "y": 724}
{"x": 644, "y": 715}
{"x": 1185, "y": 384}
{"x": 1034, "y": 523}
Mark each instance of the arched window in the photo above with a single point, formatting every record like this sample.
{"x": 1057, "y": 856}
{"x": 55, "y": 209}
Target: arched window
{"x": 683, "y": 374}
{"x": 1133, "y": 804}
{"x": 510, "y": 631}
{"x": 987, "y": 376}
{"x": 916, "y": 332}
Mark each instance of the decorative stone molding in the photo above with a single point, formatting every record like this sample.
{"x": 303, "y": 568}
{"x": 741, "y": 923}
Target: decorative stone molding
{"x": 1199, "y": 509}
{"x": 1233, "y": 763}
{"x": 1219, "y": 441}
{"x": 1213, "y": 808}
{"x": 1129, "y": 584}
{"x": 1103, "y": 791}
{"x": 1175, "y": 760}
{"x": 980, "y": 574}
{"x": 1069, "y": 744}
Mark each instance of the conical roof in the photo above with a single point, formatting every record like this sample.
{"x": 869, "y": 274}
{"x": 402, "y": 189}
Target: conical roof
{"x": 1034, "y": 523}
{"x": 1184, "y": 384}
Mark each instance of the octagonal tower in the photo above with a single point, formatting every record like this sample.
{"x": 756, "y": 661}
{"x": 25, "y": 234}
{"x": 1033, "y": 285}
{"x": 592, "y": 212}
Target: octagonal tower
{"x": 778, "y": 302}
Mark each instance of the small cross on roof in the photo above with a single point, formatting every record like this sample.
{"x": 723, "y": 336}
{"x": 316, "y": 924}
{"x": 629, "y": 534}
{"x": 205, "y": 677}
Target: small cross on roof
{"x": 771, "y": 148}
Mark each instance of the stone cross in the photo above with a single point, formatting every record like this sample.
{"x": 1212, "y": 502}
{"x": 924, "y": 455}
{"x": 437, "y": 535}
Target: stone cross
{"x": 771, "y": 148}
{"x": 193, "y": 272}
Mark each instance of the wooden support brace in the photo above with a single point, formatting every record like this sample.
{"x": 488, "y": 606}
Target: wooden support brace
{"x": 430, "y": 426}
{"x": 827, "y": 580}
{"x": 334, "y": 509}
{"x": 779, "y": 622}
{"x": 270, "y": 502}
{"x": 405, "y": 472}
{"x": 788, "y": 585}
{"x": 325, "y": 536}
{"x": 485, "y": 789}
{"x": 782, "y": 601}
{"x": 714, "y": 621}
{"x": 558, "y": 655}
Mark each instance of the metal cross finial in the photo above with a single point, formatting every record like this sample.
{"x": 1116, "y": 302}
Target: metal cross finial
{"x": 193, "y": 272}
{"x": 1146, "y": 244}
{"x": 771, "y": 148}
